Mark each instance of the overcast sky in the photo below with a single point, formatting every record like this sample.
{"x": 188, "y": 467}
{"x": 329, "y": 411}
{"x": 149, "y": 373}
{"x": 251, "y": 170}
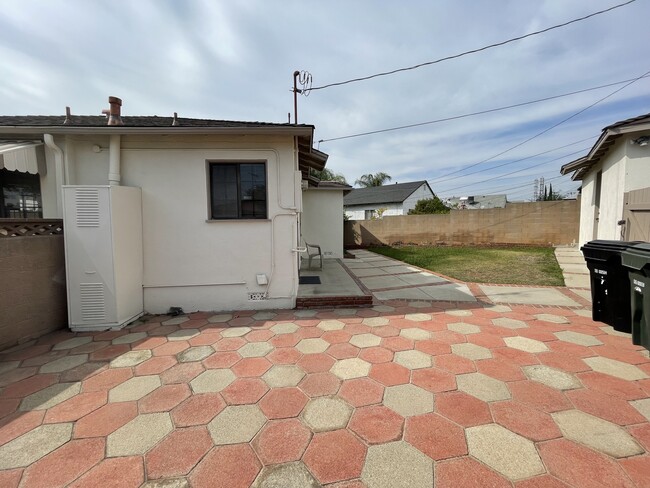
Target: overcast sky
{"x": 234, "y": 60}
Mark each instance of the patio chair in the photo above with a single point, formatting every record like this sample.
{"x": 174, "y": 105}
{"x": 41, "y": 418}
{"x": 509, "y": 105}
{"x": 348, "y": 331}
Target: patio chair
{"x": 314, "y": 250}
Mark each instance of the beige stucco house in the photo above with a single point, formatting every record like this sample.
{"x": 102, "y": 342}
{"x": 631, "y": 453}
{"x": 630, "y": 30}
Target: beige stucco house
{"x": 221, "y": 204}
{"x": 615, "y": 175}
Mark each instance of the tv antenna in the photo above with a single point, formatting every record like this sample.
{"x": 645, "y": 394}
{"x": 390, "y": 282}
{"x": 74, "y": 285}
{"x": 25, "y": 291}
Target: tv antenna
{"x": 302, "y": 78}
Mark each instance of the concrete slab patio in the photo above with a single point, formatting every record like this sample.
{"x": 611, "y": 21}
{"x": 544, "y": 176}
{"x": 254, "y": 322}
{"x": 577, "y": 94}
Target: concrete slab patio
{"x": 403, "y": 394}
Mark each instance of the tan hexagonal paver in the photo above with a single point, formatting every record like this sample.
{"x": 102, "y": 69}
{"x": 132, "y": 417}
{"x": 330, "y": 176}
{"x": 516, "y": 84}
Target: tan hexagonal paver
{"x": 397, "y": 465}
{"x": 375, "y": 321}
{"x": 459, "y": 313}
{"x": 255, "y": 349}
{"x": 285, "y": 328}
{"x": 305, "y": 313}
{"x": 282, "y": 375}
{"x": 643, "y": 406}
{"x": 130, "y": 338}
{"x": 134, "y": 388}
{"x": 197, "y": 353}
{"x": 509, "y": 323}
{"x": 525, "y": 344}
{"x": 50, "y": 396}
{"x": 139, "y": 435}
{"x": 131, "y": 358}
{"x": 326, "y": 413}
{"x": 64, "y": 363}
{"x": 365, "y": 340}
{"x": 596, "y": 433}
{"x": 32, "y": 446}
{"x": 463, "y": 328}
{"x": 312, "y": 346}
{"x": 615, "y": 368}
{"x": 266, "y": 315}
{"x": 212, "y": 380}
{"x": 220, "y": 318}
{"x": 351, "y": 368}
{"x": 413, "y": 359}
{"x": 235, "y": 331}
{"x": 471, "y": 351}
{"x": 408, "y": 400}
{"x": 383, "y": 308}
{"x": 552, "y": 377}
{"x": 183, "y": 334}
{"x": 330, "y": 325}
{"x": 175, "y": 321}
{"x": 549, "y": 317}
{"x": 236, "y": 424}
{"x": 483, "y": 387}
{"x": 72, "y": 343}
{"x": 578, "y": 338}
{"x": 504, "y": 451}
{"x": 416, "y": 334}
{"x": 417, "y": 317}
{"x": 287, "y": 475}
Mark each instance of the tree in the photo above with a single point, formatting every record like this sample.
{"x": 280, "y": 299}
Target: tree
{"x": 329, "y": 175}
{"x": 429, "y": 206}
{"x": 378, "y": 179}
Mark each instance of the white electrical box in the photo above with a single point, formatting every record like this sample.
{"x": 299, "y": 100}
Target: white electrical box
{"x": 103, "y": 255}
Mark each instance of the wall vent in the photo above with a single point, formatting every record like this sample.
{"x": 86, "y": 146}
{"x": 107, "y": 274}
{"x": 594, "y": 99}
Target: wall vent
{"x": 257, "y": 296}
{"x": 87, "y": 207}
{"x": 93, "y": 303}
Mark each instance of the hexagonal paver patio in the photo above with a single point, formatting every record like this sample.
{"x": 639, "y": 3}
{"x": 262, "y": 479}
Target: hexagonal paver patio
{"x": 405, "y": 394}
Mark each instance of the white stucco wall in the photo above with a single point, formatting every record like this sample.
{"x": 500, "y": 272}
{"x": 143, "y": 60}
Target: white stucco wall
{"x": 322, "y": 220}
{"x": 625, "y": 167}
{"x": 422, "y": 193}
{"x": 189, "y": 262}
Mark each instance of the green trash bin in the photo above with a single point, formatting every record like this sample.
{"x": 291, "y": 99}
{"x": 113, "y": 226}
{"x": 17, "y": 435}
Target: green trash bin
{"x": 637, "y": 261}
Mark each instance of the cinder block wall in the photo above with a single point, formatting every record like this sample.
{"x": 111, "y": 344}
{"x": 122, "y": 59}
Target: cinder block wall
{"x": 32, "y": 288}
{"x": 540, "y": 223}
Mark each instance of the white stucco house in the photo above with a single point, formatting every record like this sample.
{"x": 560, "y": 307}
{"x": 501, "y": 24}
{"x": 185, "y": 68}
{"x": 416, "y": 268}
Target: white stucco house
{"x": 216, "y": 220}
{"x": 395, "y": 199}
{"x": 615, "y": 175}
{"x": 477, "y": 202}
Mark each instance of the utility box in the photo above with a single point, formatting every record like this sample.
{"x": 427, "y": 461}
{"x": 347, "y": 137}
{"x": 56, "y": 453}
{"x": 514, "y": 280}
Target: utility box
{"x": 103, "y": 255}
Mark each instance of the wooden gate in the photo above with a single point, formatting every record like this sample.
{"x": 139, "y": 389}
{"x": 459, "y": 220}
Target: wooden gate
{"x": 636, "y": 215}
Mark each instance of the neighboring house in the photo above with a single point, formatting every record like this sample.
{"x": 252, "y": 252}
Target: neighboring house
{"x": 395, "y": 199}
{"x": 220, "y": 206}
{"x": 477, "y": 202}
{"x": 615, "y": 175}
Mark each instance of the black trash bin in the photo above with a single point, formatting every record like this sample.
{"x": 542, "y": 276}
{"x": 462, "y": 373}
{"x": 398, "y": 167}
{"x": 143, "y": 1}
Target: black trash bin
{"x": 637, "y": 261}
{"x": 610, "y": 284}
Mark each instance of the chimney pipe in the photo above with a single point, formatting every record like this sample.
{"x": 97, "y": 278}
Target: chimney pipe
{"x": 175, "y": 120}
{"x": 114, "y": 113}
{"x": 67, "y": 116}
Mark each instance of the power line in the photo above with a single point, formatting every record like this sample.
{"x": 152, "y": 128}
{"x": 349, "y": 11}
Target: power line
{"x": 473, "y": 51}
{"x": 472, "y": 114}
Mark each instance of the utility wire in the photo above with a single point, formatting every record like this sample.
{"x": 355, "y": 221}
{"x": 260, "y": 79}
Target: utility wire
{"x": 472, "y": 114}
{"x": 473, "y": 51}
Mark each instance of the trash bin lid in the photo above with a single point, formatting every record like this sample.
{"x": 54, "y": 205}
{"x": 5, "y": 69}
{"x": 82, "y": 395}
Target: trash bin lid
{"x": 601, "y": 250}
{"x": 636, "y": 257}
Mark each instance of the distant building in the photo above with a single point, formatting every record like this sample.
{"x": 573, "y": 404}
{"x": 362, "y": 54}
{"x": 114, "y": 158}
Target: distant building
{"x": 396, "y": 199}
{"x": 477, "y": 202}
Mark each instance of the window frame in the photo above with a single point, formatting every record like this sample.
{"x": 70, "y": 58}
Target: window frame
{"x": 237, "y": 163}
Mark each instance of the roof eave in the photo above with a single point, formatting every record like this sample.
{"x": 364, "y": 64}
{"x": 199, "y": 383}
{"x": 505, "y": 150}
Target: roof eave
{"x": 290, "y": 131}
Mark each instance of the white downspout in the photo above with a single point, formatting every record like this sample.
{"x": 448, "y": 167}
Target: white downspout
{"x": 114, "y": 175}
{"x": 58, "y": 170}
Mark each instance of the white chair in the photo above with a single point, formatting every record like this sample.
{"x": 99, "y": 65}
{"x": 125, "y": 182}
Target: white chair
{"x": 314, "y": 250}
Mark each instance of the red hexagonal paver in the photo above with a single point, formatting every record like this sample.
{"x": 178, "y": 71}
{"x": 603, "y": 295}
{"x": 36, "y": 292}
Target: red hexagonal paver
{"x": 525, "y": 420}
{"x": 462, "y": 408}
{"x": 181, "y": 373}
{"x": 359, "y": 392}
{"x": 285, "y": 340}
{"x": 343, "y": 351}
{"x": 65, "y": 464}
{"x": 500, "y": 369}
{"x": 155, "y": 365}
{"x": 109, "y": 352}
{"x": 106, "y": 420}
{"x": 640, "y": 432}
{"x": 259, "y": 335}
{"x": 335, "y": 456}
{"x": 610, "y": 385}
{"x": 543, "y": 481}
{"x": 237, "y": 467}
{"x": 563, "y": 361}
{"x": 19, "y": 423}
{"x": 76, "y": 407}
{"x": 198, "y": 409}
{"x": 221, "y": 360}
{"x": 229, "y": 344}
{"x": 454, "y": 364}
{"x": 282, "y": 441}
{"x": 606, "y": 407}
{"x": 637, "y": 469}
{"x": 435, "y": 436}
{"x": 390, "y": 374}
{"x": 433, "y": 348}
{"x": 244, "y": 391}
{"x": 434, "y": 380}
{"x": 284, "y": 355}
{"x": 316, "y": 363}
{"x": 178, "y": 453}
{"x": 22, "y": 388}
{"x": 171, "y": 348}
{"x": 397, "y": 343}
{"x": 377, "y": 424}
{"x": 205, "y": 338}
{"x": 522, "y": 358}
{"x": 336, "y": 336}
{"x": 376, "y": 355}
{"x": 165, "y": 398}
{"x": 282, "y": 403}
{"x": 107, "y": 379}
{"x": 251, "y": 367}
{"x": 320, "y": 384}
{"x": 579, "y": 466}
{"x": 10, "y": 478}
{"x": 467, "y": 473}
{"x": 539, "y": 396}
{"x": 128, "y": 470}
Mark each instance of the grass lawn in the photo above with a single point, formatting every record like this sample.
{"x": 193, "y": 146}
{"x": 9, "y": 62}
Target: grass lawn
{"x": 504, "y": 265}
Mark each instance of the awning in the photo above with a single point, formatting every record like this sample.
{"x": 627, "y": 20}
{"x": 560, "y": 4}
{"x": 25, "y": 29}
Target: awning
{"x": 23, "y": 156}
